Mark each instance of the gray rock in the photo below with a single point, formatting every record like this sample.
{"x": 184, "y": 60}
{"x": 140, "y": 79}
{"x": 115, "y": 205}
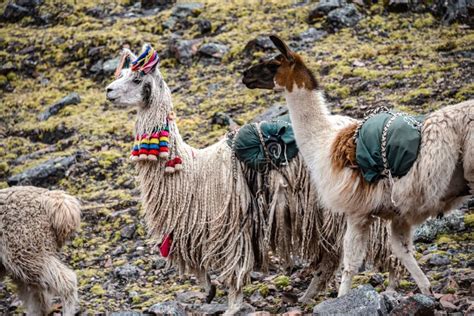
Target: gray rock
{"x": 427, "y": 232}
{"x": 210, "y": 309}
{"x": 363, "y": 300}
{"x": 271, "y": 113}
{"x": 127, "y": 272}
{"x": 149, "y": 4}
{"x": 160, "y": 263}
{"x": 398, "y": 5}
{"x": 184, "y": 10}
{"x": 260, "y": 43}
{"x": 439, "y": 260}
{"x": 128, "y": 231}
{"x": 14, "y": 13}
{"x": 168, "y": 308}
{"x": 189, "y": 297}
{"x": 376, "y": 279}
{"x": 323, "y": 8}
{"x": 312, "y": 35}
{"x": 110, "y": 65}
{"x": 213, "y": 50}
{"x": 170, "y": 23}
{"x": 205, "y": 26}
{"x": 126, "y": 314}
{"x": 222, "y": 119}
{"x": 29, "y": 3}
{"x": 347, "y": 16}
{"x": 70, "y": 99}
{"x": 45, "y": 174}
{"x": 417, "y": 304}
{"x": 97, "y": 67}
{"x": 184, "y": 50}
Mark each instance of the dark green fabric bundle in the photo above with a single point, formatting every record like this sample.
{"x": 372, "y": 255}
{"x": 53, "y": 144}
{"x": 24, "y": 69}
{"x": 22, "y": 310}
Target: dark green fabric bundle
{"x": 279, "y": 140}
{"x": 403, "y": 141}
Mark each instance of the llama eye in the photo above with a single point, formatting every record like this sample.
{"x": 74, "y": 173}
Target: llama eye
{"x": 137, "y": 80}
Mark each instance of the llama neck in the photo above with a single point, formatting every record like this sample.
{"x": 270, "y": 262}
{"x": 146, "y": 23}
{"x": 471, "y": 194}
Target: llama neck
{"x": 310, "y": 119}
{"x": 157, "y": 114}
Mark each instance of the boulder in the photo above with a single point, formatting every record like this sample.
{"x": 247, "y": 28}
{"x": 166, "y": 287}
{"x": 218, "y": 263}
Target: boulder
{"x": 185, "y": 10}
{"x": 260, "y": 43}
{"x": 312, "y": 35}
{"x": 128, "y": 231}
{"x": 205, "y": 26}
{"x": 347, "y": 16}
{"x": 439, "y": 260}
{"x": 150, "y": 4}
{"x": 323, "y": 8}
{"x": 70, "y": 99}
{"x": 168, "y": 308}
{"x": 184, "y": 50}
{"x": 416, "y": 305}
{"x": 213, "y": 50}
{"x": 14, "y": 12}
{"x": 127, "y": 272}
{"x": 271, "y": 113}
{"x": 110, "y": 65}
{"x": 363, "y": 300}
{"x": 44, "y": 174}
{"x": 398, "y": 5}
{"x": 427, "y": 232}
{"x": 222, "y": 119}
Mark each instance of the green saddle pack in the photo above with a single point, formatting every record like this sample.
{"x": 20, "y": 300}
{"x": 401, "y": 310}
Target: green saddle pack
{"x": 264, "y": 145}
{"x": 402, "y": 144}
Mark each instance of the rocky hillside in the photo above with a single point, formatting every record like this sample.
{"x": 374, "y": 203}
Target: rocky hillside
{"x": 58, "y": 131}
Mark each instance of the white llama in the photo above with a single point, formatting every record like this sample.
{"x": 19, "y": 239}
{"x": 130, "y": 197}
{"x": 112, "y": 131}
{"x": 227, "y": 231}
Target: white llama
{"x": 438, "y": 182}
{"x": 206, "y": 209}
{"x": 34, "y": 225}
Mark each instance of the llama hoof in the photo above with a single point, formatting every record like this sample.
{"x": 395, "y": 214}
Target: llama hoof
{"x": 211, "y": 294}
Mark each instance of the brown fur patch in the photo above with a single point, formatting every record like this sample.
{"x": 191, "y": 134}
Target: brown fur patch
{"x": 295, "y": 72}
{"x": 343, "y": 151}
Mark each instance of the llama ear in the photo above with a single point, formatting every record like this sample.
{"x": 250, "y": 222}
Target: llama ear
{"x": 282, "y": 47}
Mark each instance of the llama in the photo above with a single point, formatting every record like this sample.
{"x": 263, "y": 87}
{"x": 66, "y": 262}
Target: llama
{"x": 34, "y": 225}
{"x": 209, "y": 209}
{"x": 438, "y": 182}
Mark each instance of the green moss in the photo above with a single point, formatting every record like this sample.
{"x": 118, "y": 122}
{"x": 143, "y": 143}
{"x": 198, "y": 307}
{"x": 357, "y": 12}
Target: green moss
{"x": 97, "y": 289}
{"x": 469, "y": 220}
{"x": 281, "y": 281}
{"x": 444, "y": 239}
{"x": 406, "y": 285}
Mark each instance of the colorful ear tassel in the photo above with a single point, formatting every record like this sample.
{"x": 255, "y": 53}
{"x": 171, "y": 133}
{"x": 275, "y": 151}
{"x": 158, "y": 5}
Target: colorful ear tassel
{"x": 178, "y": 163}
{"x": 154, "y": 147}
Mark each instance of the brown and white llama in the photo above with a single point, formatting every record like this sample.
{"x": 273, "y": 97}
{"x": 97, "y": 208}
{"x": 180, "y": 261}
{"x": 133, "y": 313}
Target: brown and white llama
{"x": 441, "y": 179}
{"x": 34, "y": 225}
{"x": 211, "y": 207}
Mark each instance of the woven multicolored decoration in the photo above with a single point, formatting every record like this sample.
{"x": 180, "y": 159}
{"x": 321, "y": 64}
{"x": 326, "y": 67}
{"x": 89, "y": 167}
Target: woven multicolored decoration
{"x": 150, "y": 147}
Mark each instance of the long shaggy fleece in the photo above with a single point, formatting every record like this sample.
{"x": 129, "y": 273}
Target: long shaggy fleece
{"x": 34, "y": 224}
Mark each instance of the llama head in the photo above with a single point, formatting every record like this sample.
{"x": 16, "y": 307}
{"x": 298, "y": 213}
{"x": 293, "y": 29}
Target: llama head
{"x": 139, "y": 84}
{"x": 283, "y": 72}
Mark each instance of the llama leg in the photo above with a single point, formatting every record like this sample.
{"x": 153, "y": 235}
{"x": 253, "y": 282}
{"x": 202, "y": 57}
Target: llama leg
{"x": 3, "y": 272}
{"x": 393, "y": 276}
{"x": 210, "y": 288}
{"x": 63, "y": 282}
{"x": 35, "y": 300}
{"x": 325, "y": 271}
{"x": 355, "y": 248}
{"x": 235, "y": 301}
{"x": 401, "y": 242}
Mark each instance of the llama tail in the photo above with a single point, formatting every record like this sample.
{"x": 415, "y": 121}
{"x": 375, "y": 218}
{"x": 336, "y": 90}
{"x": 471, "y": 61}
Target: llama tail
{"x": 65, "y": 214}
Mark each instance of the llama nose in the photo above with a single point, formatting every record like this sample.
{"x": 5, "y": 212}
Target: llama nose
{"x": 108, "y": 90}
